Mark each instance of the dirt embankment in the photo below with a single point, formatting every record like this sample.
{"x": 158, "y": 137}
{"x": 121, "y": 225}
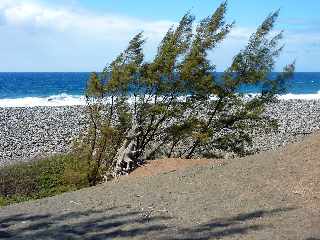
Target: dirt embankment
{"x": 273, "y": 195}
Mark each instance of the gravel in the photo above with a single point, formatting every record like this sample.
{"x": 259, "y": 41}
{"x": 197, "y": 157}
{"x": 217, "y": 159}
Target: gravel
{"x": 296, "y": 119}
{"x": 29, "y": 133}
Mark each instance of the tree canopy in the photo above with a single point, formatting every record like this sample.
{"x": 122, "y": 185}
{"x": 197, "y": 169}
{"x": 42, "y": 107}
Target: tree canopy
{"x": 175, "y": 105}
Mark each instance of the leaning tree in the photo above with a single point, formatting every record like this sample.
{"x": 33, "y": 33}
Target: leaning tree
{"x": 175, "y": 105}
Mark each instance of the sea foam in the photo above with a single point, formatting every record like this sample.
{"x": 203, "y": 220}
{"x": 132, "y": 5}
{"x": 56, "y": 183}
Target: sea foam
{"x": 51, "y": 101}
{"x": 78, "y": 100}
{"x": 291, "y": 96}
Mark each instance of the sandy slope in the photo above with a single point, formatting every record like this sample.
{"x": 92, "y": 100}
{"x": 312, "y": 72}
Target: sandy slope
{"x": 273, "y": 195}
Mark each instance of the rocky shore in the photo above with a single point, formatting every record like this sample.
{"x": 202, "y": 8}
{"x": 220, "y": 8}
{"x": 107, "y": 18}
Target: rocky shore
{"x": 296, "y": 119}
{"x": 28, "y": 133}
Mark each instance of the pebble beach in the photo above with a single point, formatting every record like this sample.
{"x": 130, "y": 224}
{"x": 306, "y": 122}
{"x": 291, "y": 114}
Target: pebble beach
{"x": 30, "y": 133}
{"x": 296, "y": 118}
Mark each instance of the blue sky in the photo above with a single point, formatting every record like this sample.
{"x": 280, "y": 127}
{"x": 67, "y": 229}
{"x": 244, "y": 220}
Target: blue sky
{"x": 84, "y": 35}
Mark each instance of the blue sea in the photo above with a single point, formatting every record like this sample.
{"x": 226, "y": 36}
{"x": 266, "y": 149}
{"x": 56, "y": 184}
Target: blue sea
{"x": 59, "y": 89}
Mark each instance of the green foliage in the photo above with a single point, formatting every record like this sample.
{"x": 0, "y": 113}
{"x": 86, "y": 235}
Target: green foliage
{"x": 178, "y": 106}
{"x": 41, "y": 178}
{"x": 95, "y": 87}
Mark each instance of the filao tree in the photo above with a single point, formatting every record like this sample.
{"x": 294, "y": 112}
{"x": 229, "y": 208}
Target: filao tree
{"x": 175, "y": 105}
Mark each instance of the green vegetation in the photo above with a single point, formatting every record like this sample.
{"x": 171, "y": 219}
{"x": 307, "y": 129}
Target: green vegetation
{"x": 174, "y": 106}
{"x": 41, "y": 178}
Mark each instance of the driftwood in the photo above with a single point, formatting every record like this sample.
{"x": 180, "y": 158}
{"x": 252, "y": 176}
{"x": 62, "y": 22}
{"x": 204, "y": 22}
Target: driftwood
{"x": 126, "y": 159}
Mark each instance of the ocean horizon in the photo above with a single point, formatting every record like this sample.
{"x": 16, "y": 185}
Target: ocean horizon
{"x": 30, "y": 89}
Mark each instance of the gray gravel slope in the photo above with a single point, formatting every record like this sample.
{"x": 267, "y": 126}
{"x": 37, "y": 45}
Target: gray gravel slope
{"x": 273, "y": 195}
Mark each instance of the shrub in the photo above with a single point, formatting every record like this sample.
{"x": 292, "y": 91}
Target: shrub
{"x": 41, "y": 178}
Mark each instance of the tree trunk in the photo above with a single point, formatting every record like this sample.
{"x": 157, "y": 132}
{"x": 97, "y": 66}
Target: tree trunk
{"x": 126, "y": 159}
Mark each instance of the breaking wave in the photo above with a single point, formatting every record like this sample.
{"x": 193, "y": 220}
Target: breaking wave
{"x": 78, "y": 100}
{"x": 51, "y": 101}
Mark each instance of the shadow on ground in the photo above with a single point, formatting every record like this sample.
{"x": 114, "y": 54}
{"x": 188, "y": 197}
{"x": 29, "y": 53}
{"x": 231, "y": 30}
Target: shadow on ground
{"x": 120, "y": 224}
{"x": 227, "y": 227}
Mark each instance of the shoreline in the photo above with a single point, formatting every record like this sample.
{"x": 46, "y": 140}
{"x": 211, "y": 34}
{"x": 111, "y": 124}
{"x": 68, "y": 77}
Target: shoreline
{"x": 66, "y": 100}
{"x": 28, "y": 133}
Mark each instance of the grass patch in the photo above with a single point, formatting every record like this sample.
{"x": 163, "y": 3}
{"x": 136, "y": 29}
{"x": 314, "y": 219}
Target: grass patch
{"x": 42, "y": 178}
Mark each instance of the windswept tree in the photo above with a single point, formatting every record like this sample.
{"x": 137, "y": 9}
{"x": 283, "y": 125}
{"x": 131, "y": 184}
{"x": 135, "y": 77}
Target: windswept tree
{"x": 175, "y": 106}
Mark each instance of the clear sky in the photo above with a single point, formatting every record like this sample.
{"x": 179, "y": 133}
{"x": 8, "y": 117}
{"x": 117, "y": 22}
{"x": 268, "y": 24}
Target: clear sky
{"x": 84, "y": 35}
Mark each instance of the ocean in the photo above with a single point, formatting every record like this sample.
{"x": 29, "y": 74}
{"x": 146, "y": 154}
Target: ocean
{"x": 61, "y": 89}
